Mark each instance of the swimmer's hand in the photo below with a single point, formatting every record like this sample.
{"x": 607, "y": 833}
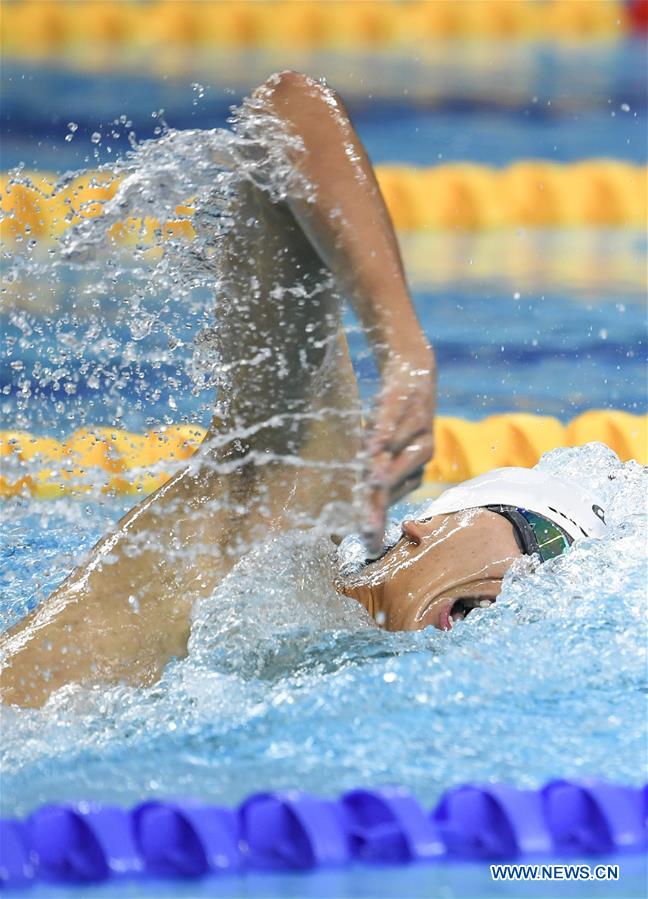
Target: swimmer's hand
{"x": 400, "y": 441}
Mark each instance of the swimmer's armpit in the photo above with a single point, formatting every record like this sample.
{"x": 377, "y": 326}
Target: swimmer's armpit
{"x": 348, "y": 223}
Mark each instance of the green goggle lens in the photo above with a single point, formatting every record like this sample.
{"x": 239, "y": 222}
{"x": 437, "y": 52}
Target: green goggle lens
{"x": 534, "y": 533}
{"x": 552, "y": 540}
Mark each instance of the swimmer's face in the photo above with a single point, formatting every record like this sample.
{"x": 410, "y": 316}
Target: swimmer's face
{"x": 438, "y": 571}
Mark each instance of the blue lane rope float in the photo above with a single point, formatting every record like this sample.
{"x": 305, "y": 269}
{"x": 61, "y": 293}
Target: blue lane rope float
{"x": 294, "y": 831}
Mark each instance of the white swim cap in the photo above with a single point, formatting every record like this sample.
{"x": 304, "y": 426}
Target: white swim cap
{"x": 567, "y": 506}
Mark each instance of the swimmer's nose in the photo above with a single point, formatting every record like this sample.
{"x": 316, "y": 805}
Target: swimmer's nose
{"x": 413, "y": 531}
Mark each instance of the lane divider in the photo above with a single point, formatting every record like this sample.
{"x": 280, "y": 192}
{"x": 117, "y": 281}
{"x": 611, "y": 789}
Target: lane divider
{"x": 528, "y": 193}
{"x": 121, "y": 462}
{"x": 523, "y": 262}
{"x": 37, "y": 29}
{"x": 510, "y": 264}
{"x": 461, "y": 196}
{"x": 295, "y": 831}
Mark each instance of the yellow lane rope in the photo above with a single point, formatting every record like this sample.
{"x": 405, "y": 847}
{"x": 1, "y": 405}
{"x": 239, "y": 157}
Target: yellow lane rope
{"x": 520, "y": 261}
{"x": 121, "y": 462}
{"x": 514, "y": 264}
{"x": 461, "y": 196}
{"x": 52, "y": 28}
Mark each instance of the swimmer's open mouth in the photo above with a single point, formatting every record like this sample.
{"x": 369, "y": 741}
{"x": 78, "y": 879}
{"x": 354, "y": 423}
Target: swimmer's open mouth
{"x": 462, "y": 607}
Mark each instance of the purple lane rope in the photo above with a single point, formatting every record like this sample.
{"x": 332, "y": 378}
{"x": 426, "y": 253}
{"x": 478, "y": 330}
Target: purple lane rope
{"x": 295, "y": 831}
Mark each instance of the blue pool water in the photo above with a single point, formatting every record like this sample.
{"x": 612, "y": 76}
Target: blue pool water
{"x": 466, "y": 881}
{"x": 292, "y": 686}
{"x": 551, "y": 351}
{"x": 553, "y": 345}
{"x": 488, "y": 103}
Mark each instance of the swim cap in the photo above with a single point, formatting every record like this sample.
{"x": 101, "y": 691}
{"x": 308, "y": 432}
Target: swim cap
{"x": 578, "y": 514}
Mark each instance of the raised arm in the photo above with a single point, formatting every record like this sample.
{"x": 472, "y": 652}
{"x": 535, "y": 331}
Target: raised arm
{"x": 285, "y": 422}
{"x": 344, "y": 215}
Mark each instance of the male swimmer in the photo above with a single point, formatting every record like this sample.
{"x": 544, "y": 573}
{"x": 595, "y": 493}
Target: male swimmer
{"x": 282, "y": 450}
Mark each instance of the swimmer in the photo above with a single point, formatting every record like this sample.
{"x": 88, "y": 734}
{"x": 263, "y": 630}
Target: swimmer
{"x": 282, "y": 449}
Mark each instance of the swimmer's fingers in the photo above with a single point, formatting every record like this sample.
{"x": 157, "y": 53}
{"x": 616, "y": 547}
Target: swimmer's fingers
{"x": 390, "y": 479}
{"x": 399, "y": 422}
{"x": 373, "y": 528}
{"x": 400, "y": 440}
{"x": 404, "y": 412}
{"x": 388, "y": 471}
{"x": 406, "y": 486}
{"x": 407, "y": 468}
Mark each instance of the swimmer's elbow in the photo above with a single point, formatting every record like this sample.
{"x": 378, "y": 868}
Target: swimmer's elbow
{"x": 290, "y": 89}
{"x": 289, "y": 80}
{"x": 289, "y": 83}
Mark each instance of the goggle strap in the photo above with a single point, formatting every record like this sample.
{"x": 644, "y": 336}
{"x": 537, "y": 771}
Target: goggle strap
{"x": 524, "y": 534}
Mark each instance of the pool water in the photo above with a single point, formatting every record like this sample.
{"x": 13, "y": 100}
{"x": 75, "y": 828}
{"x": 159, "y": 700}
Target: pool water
{"x": 488, "y": 102}
{"x": 465, "y": 881}
{"x": 291, "y": 685}
{"x": 551, "y": 338}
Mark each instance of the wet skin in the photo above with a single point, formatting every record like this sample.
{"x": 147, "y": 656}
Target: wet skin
{"x": 438, "y": 571}
{"x": 285, "y": 267}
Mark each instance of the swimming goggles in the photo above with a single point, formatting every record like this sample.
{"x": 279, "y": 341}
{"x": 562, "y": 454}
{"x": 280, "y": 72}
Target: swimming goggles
{"x": 534, "y": 534}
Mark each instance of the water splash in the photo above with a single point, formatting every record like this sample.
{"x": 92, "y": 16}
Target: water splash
{"x": 289, "y": 684}
{"x": 286, "y": 683}
{"x": 102, "y": 319}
